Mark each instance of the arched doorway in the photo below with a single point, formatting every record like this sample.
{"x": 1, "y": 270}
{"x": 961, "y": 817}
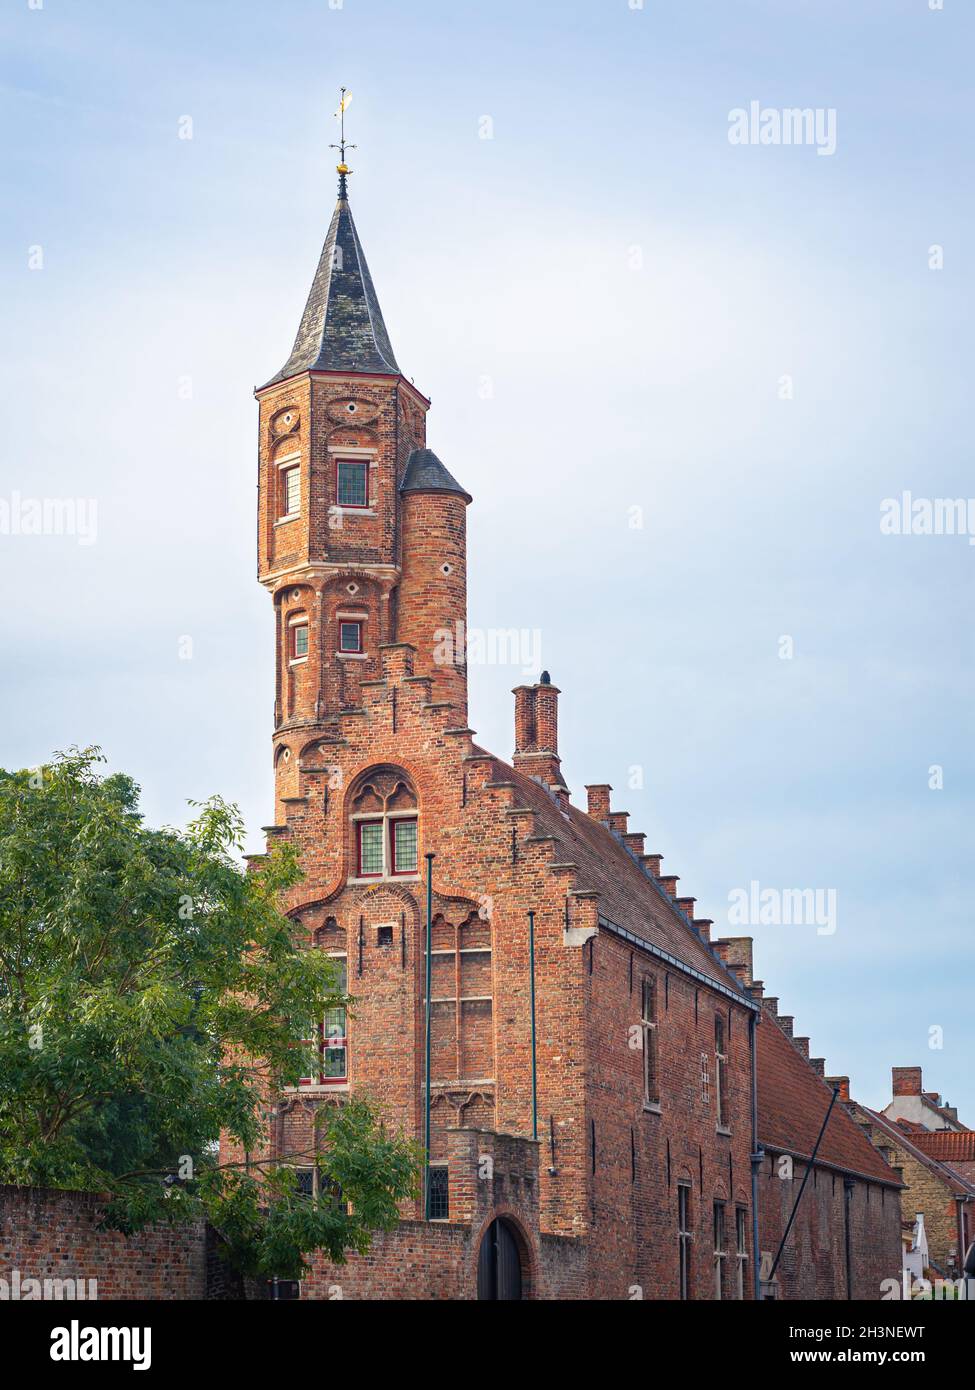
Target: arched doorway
{"x": 499, "y": 1263}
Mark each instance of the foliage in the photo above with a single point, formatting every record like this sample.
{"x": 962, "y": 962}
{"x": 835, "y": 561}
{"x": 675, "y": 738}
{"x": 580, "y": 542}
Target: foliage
{"x": 150, "y": 998}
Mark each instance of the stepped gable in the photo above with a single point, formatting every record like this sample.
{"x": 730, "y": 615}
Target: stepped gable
{"x": 627, "y": 896}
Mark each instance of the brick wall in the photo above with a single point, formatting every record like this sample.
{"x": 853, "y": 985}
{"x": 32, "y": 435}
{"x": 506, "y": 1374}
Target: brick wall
{"x": 54, "y": 1235}
{"x": 813, "y": 1264}
{"x": 643, "y": 1152}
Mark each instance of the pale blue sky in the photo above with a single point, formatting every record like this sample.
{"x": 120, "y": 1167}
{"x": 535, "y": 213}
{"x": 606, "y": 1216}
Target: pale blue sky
{"x": 620, "y": 378}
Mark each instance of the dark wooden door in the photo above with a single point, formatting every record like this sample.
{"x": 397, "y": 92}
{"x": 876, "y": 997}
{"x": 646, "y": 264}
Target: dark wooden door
{"x": 499, "y": 1264}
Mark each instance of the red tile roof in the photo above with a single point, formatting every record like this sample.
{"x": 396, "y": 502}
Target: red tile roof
{"x": 955, "y": 1181}
{"x": 947, "y": 1145}
{"x": 792, "y": 1104}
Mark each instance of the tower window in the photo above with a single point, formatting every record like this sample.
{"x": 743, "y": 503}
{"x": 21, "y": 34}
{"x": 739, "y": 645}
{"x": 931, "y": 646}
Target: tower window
{"x": 299, "y": 641}
{"x": 350, "y": 637}
{"x": 403, "y": 845}
{"x": 369, "y": 841}
{"x": 352, "y": 483}
{"x": 291, "y": 490}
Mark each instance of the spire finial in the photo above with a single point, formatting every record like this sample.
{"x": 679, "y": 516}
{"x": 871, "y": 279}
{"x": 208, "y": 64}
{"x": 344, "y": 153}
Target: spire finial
{"x": 342, "y": 169}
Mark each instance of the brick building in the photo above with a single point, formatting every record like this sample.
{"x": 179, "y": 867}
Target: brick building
{"x": 844, "y": 1241}
{"x": 934, "y": 1155}
{"x": 590, "y": 1095}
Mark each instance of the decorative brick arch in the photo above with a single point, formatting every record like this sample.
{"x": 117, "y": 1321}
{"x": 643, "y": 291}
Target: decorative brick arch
{"x": 527, "y": 1254}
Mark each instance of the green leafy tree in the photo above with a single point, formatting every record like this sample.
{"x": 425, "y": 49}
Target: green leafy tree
{"x": 150, "y": 990}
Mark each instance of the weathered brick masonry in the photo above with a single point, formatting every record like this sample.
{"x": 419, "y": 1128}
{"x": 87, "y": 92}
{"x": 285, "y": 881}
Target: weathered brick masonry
{"x": 638, "y": 1182}
{"x": 48, "y": 1235}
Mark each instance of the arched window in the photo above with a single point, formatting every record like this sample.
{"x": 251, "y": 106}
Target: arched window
{"x": 384, "y": 827}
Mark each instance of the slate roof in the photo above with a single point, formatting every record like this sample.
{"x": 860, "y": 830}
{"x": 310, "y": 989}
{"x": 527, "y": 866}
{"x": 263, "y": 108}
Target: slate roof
{"x": 425, "y": 473}
{"x": 792, "y": 1104}
{"x": 342, "y": 328}
{"x": 628, "y": 897}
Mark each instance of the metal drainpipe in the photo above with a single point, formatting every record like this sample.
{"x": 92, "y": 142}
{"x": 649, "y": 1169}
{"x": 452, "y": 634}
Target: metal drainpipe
{"x": 531, "y": 956}
{"x": 426, "y": 1133}
{"x": 756, "y": 1160}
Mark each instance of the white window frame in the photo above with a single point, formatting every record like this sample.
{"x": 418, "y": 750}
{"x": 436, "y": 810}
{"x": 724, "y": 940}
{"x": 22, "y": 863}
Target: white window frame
{"x": 741, "y": 1249}
{"x": 291, "y": 461}
{"x": 720, "y": 1220}
{"x": 648, "y": 1023}
{"x": 386, "y": 817}
{"x": 298, "y": 620}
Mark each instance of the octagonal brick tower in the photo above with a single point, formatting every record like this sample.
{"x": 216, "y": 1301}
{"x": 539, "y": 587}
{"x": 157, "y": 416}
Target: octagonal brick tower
{"x": 361, "y": 528}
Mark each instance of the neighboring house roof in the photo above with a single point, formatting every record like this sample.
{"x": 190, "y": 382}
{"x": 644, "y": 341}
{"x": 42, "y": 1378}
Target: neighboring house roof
{"x": 342, "y": 328}
{"x": 958, "y": 1184}
{"x": 792, "y": 1104}
{"x": 929, "y": 1100}
{"x": 628, "y": 896}
{"x": 947, "y": 1145}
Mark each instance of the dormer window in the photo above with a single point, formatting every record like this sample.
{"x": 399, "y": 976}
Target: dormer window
{"x": 352, "y": 483}
{"x": 350, "y": 635}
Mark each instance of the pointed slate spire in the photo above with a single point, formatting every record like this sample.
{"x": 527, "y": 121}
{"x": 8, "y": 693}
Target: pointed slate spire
{"x": 342, "y": 328}
{"x": 425, "y": 473}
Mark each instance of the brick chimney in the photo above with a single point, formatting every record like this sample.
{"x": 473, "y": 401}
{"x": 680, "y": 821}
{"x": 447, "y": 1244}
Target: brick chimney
{"x": 905, "y": 1081}
{"x": 842, "y": 1084}
{"x": 737, "y": 950}
{"x": 668, "y": 883}
{"x": 537, "y": 731}
{"x": 597, "y": 797}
